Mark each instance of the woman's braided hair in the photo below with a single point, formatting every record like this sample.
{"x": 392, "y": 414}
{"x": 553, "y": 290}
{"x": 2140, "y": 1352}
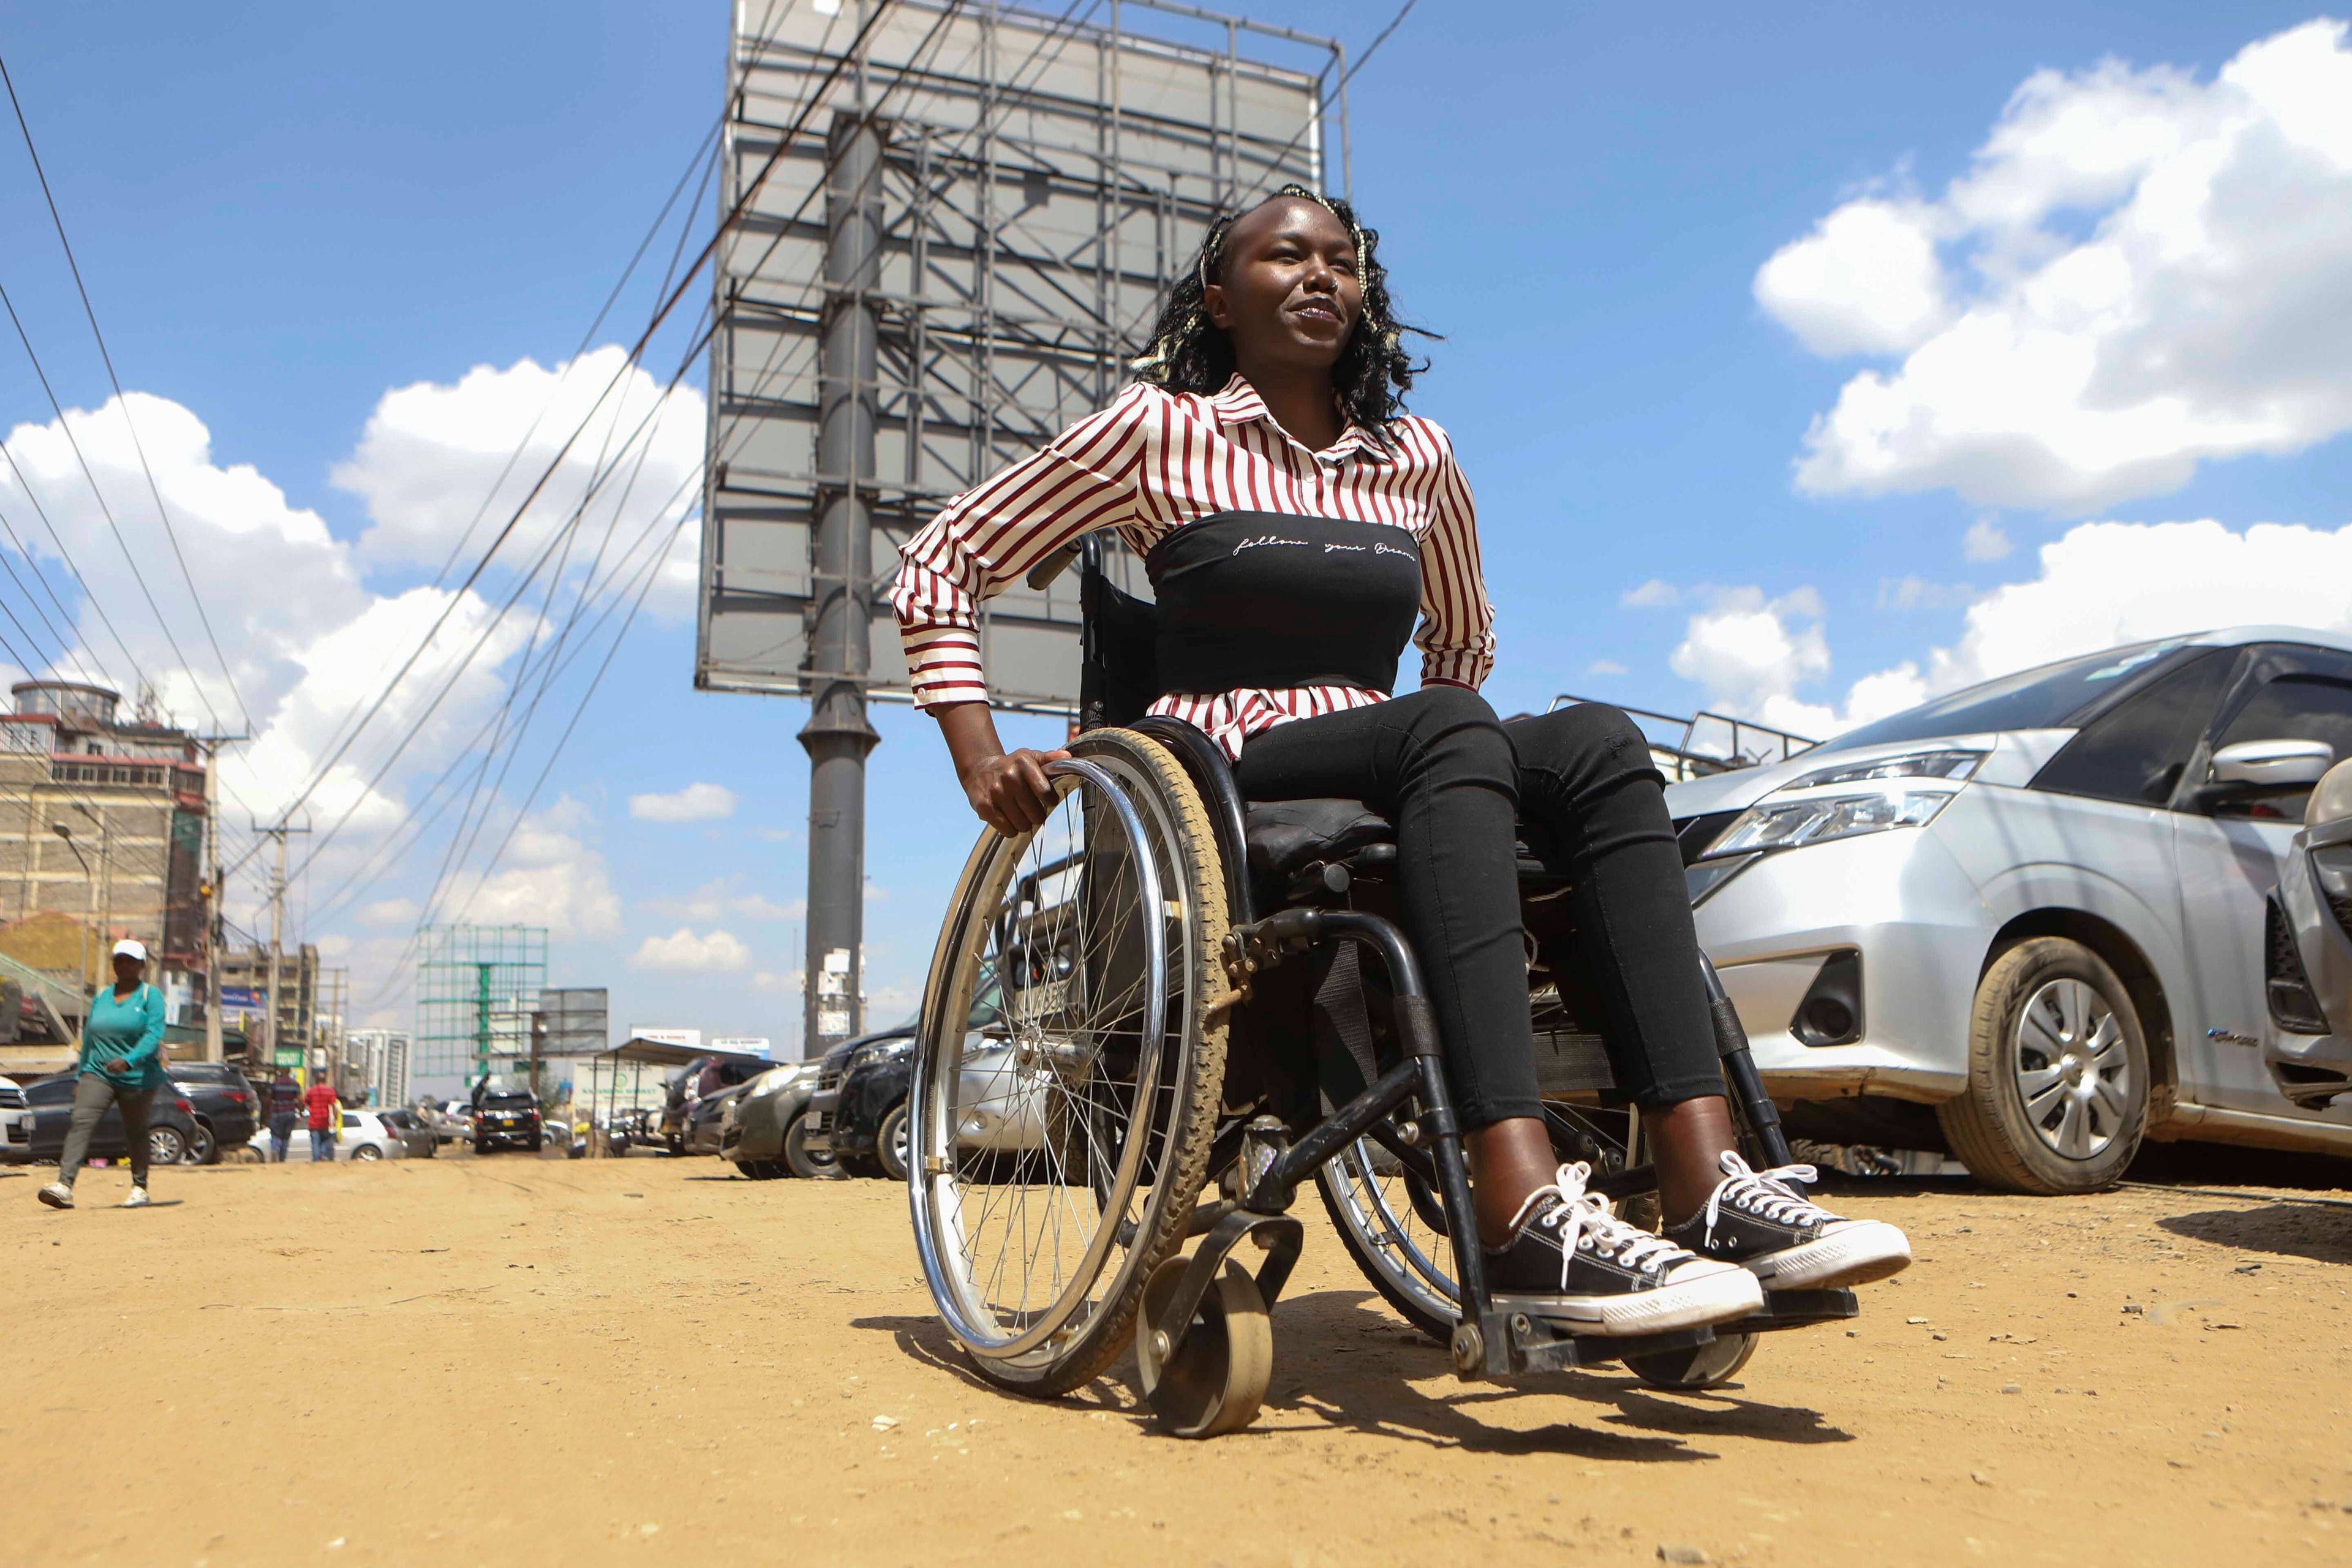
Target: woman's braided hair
{"x": 1190, "y": 353}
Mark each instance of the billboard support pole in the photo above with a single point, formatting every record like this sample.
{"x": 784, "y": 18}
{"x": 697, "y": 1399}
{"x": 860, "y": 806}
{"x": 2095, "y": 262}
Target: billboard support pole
{"x": 837, "y": 736}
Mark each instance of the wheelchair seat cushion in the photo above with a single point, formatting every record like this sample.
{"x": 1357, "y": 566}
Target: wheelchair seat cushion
{"x": 1285, "y": 836}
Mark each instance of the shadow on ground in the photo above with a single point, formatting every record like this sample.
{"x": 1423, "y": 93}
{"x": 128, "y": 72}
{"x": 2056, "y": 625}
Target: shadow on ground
{"x": 1342, "y": 1361}
{"x": 2321, "y": 1233}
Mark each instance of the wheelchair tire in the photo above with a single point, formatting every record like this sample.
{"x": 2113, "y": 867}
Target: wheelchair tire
{"x": 999, "y": 1113}
{"x": 1710, "y": 1365}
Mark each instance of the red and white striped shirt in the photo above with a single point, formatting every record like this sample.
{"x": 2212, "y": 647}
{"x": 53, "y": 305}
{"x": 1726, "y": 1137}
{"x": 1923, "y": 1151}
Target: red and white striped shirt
{"x": 1155, "y": 461}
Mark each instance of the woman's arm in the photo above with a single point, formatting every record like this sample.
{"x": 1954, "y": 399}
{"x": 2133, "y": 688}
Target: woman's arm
{"x": 1456, "y": 636}
{"x": 1083, "y": 482}
{"x": 1009, "y": 790}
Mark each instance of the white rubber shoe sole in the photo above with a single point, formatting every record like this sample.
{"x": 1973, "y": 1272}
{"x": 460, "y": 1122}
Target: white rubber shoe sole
{"x": 1695, "y": 1295}
{"x": 1851, "y": 1252}
{"x": 57, "y": 1195}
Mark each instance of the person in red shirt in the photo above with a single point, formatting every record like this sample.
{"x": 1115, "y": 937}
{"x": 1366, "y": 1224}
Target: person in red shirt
{"x": 326, "y": 1119}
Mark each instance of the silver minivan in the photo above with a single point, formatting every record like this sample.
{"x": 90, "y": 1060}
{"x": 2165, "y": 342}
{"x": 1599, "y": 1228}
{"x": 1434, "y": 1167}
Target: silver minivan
{"x": 2036, "y": 920}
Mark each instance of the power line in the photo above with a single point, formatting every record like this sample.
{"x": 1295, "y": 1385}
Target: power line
{"x": 105, "y": 510}
{"x": 660, "y": 314}
{"x": 162, "y": 512}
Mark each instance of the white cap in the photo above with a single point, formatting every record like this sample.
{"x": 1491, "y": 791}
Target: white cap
{"x": 129, "y": 947}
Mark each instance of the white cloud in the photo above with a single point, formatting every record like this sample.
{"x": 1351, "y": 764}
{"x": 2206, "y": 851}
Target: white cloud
{"x": 695, "y": 803}
{"x": 2108, "y": 582}
{"x": 2100, "y": 584}
{"x": 1865, "y": 281}
{"x": 1985, "y": 541}
{"x": 1915, "y": 592}
{"x": 1751, "y": 653}
{"x": 778, "y": 984}
{"x": 1606, "y": 667}
{"x": 718, "y": 953}
{"x": 2144, "y": 271}
{"x": 389, "y": 912}
{"x": 719, "y": 898}
{"x": 1655, "y": 594}
{"x": 431, "y": 452}
{"x": 550, "y": 877}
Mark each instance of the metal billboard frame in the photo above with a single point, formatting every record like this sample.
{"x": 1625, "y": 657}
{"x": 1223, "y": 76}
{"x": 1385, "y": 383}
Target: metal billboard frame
{"x": 1036, "y": 181}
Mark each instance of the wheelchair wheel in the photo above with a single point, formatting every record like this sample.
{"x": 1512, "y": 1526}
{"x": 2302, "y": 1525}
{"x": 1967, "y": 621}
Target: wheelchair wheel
{"x": 1218, "y": 1377}
{"x": 1068, "y": 1067}
{"x": 1391, "y": 1224}
{"x": 1709, "y": 1365}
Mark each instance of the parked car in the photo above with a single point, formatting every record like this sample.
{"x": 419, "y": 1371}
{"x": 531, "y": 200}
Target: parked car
{"x": 2309, "y": 951}
{"x": 761, "y": 1131}
{"x": 696, "y": 1081}
{"x": 507, "y": 1119}
{"x": 226, "y": 1107}
{"x": 415, "y": 1135}
{"x": 817, "y": 1136}
{"x": 2027, "y": 922}
{"x": 16, "y": 1124}
{"x": 1002, "y": 1102}
{"x": 364, "y": 1135}
{"x": 703, "y": 1123}
{"x": 171, "y": 1124}
{"x": 447, "y": 1119}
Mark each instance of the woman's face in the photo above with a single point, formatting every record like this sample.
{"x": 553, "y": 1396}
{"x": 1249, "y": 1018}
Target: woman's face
{"x": 1289, "y": 294}
{"x": 127, "y": 969}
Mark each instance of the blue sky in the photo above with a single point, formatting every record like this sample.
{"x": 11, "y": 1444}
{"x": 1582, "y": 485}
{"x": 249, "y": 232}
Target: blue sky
{"x": 284, "y": 212}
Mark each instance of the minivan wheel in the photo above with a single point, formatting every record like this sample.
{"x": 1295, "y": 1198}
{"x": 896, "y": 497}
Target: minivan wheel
{"x": 165, "y": 1146}
{"x": 2058, "y": 1073}
{"x": 890, "y": 1142}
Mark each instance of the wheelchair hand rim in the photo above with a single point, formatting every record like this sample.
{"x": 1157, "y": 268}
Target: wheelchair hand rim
{"x": 933, "y": 1192}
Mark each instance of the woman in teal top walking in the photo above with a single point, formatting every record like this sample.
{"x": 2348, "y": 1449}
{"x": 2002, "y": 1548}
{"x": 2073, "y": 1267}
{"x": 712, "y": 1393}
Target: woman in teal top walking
{"x": 122, "y": 1065}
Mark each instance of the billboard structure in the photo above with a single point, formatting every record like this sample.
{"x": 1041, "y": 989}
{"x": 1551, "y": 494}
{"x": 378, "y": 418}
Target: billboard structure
{"x": 960, "y": 220}
{"x": 477, "y": 988}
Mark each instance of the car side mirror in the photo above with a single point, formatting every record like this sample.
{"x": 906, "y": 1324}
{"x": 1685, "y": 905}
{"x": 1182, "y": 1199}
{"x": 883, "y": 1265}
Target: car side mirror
{"x": 2249, "y": 769}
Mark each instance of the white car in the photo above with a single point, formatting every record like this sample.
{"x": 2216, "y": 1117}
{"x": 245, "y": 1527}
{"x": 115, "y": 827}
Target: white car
{"x": 363, "y": 1136}
{"x": 2031, "y": 921}
{"x": 16, "y": 1124}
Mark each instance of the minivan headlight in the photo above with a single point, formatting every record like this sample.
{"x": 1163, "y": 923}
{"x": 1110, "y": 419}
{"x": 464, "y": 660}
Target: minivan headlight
{"x": 1772, "y": 824}
{"x": 1959, "y": 766}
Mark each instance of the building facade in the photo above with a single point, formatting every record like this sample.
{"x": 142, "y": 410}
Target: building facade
{"x": 102, "y": 836}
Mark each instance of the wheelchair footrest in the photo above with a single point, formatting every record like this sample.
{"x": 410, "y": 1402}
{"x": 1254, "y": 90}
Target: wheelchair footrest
{"x": 1795, "y": 1310}
{"x": 1519, "y": 1341}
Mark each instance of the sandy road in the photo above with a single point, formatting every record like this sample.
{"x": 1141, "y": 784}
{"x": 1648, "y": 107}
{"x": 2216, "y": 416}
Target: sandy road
{"x": 508, "y": 1361}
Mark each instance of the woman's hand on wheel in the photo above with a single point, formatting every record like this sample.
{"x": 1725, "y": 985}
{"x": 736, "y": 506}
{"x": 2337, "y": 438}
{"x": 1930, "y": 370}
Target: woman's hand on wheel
{"x": 1009, "y": 791}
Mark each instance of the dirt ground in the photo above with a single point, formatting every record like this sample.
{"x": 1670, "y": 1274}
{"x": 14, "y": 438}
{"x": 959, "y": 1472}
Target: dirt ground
{"x": 510, "y": 1361}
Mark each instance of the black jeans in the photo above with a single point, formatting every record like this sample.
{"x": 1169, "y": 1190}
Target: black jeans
{"x": 1461, "y": 785}
{"x": 93, "y": 1092}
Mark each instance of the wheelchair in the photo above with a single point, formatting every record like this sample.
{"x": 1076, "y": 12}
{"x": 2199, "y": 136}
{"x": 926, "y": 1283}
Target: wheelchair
{"x": 1153, "y": 1019}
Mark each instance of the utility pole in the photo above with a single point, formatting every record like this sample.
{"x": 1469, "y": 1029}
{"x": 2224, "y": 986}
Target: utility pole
{"x": 270, "y": 1011}
{"x": 838, "y": 736}
{"x": 209, "y": 894}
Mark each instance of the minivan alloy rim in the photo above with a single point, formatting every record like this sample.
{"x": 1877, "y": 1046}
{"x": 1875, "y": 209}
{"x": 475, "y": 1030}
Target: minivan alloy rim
{"x": 2072, "y": 1072}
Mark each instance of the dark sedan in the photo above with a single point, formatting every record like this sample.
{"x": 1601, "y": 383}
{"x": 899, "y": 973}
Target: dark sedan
{"x": 171, "y": 1124}
{"x": 225, "y": 1106}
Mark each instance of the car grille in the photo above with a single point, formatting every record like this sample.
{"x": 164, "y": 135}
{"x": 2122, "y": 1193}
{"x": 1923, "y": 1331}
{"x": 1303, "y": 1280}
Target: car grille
{"x": 11, "y": 1097}
{"x": 829, "y": 1076}
{"x": 2293, "y": 1007}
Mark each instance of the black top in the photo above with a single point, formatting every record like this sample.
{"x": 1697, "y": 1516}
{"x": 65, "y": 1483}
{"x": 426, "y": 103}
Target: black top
{"x": 1269, "y": 600}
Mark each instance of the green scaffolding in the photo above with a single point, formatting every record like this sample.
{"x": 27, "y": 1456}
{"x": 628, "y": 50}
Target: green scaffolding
{"x": 476, "y": 987}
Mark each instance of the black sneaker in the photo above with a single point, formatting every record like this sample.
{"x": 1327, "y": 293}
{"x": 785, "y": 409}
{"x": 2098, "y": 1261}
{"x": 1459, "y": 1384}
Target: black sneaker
{"x": 1578, "y": 1265}
{"x": 1759, "y": 1220}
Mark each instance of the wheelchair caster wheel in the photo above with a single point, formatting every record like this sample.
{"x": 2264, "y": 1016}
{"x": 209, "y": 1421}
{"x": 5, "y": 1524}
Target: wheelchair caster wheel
{"x": 1218, "y": 1377}
{"x": 1709, "y": 1365}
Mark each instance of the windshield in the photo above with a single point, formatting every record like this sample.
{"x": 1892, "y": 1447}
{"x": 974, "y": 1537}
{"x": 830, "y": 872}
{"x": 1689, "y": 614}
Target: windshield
{"x": 2053, "y": 697}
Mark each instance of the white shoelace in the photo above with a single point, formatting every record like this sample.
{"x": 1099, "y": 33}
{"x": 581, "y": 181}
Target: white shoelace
{"x": 1765, "y": 1194}
{"x": 1584, "y": 1218}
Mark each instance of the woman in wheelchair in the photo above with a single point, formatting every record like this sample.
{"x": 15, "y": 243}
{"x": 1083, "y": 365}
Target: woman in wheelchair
{"x": 1296, "y": 523}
